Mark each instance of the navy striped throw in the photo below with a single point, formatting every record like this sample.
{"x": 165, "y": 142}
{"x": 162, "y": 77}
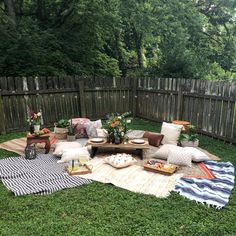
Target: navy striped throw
{"x": 215, "y": 192}
{"x": 42, "y": 175}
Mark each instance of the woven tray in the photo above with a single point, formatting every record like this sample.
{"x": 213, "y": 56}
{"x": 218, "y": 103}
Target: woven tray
{"x": 153, "y": 168}
{"x": 86, "y": 169}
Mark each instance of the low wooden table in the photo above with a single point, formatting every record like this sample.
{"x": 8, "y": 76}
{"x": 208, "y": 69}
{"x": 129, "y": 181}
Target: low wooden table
{"x": 121, "y": 146}
{"x": 39, "y": 139}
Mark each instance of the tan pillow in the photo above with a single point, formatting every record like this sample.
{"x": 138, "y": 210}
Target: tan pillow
{"x": 171, "y": 133}
{"x": 120, "y": 160}
{"x": 65, "y": 145}
{"x": 180, "y": 157}
{"x": 162, "y": 152}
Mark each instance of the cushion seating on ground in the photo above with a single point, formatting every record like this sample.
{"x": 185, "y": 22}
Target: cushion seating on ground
{"x": 171, "y": 133}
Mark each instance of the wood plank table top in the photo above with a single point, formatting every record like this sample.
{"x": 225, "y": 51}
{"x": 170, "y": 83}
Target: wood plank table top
{"x": 128, "y": 146}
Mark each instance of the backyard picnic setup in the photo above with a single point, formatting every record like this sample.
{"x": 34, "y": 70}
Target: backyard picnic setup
{"x": 53, "y": 155}
{"x": 118, "y": 118}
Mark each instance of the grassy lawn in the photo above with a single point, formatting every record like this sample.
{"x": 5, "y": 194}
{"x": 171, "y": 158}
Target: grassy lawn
{"x": 102, "y": 209}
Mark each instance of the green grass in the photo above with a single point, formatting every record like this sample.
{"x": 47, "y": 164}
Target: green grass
{"x": 102, "y": 209}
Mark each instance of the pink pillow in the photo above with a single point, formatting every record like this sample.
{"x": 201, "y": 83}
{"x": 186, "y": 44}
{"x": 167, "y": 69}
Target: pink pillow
{"x": 65, "y": 145}
{"x": 80, "y": 130}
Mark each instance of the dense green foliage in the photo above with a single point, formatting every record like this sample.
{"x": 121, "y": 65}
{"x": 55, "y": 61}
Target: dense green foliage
{"x": 118, "y": 37}
{"x": 102, "y": 209}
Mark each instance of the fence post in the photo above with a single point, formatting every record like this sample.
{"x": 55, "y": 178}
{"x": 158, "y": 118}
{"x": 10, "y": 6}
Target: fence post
{"x": 180, "y": 103}
{"x": 82, "y": 100}
{"x": 134, "y": 96}
{"x": 2, "y": 121}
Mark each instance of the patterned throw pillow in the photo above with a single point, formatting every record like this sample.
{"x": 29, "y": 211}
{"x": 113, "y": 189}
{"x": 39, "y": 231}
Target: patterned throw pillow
{"x": 80, "y": 130}
{"x": 91, "y": 128}
{"x": 154, "y": 139}
{"x": 180, "y": 157}
{"x": 120, "y": 160}
{"x": 171, "y": 133}
{"x": 163, "y": 151}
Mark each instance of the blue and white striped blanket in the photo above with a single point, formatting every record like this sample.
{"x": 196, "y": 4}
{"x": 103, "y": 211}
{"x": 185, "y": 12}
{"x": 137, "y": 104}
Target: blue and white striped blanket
{"x": 215, "y": 192}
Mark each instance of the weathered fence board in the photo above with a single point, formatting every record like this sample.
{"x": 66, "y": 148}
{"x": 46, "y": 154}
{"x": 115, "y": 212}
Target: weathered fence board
{"x": 210, "y": 105}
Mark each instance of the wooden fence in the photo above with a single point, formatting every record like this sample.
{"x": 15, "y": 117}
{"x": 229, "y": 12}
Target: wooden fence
{"x": 210, "y": 105}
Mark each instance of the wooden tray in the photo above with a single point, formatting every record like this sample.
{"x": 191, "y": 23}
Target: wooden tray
{"x": 86, "y": 169}
{"x": 153, "y": 168}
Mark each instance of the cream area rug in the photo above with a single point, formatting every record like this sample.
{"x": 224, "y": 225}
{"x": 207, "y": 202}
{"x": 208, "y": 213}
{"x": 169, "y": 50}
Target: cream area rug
{"x": 133, "y": 178}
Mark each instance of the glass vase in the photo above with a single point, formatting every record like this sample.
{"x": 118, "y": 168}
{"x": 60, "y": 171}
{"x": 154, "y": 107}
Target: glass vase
{"x": 117, "y": 140}
{"x": 36, "y": 128}
{"x": 111, "y": 137}
{"x": 31, "y": 129}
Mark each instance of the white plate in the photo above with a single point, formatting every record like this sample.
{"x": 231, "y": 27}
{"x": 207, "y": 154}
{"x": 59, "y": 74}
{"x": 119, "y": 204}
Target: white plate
{"x": 138, "y": 141}
{"x": 96, "y": 140}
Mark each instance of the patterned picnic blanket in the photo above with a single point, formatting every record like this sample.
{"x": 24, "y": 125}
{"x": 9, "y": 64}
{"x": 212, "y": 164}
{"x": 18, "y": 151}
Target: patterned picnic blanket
{"x": 215, "y": 192}
{"x": 42, "y": 175}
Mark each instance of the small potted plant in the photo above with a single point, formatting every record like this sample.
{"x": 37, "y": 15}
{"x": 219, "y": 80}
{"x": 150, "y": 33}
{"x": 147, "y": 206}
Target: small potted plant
{"x": 61, "y": 128}
{"x": 71, "y": 132}
{"x": 190, "y": 138}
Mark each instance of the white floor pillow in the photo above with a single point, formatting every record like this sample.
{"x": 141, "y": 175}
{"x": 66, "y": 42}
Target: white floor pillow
{"x": 91, "y": 128}
{"x": 74, "y": 154}
{"x": 180, "y": 157}
{"x": 102, "y": 133}
{"x": 197, "y": 155}
{"x": 59, "y": 147}
{"x": 171, "y": 133}
{"x": 162, "y": 152}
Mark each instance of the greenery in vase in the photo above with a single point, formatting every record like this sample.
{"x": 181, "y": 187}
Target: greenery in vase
{"x": 71, "y": 129}
{"x": 117, "y": 124}
{"x": 191, "y": 134}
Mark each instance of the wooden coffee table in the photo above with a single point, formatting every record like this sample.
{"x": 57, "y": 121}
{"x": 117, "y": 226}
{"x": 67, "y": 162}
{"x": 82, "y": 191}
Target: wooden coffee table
{"x": 39, "y": 139}
{"x": 121, "y": 146}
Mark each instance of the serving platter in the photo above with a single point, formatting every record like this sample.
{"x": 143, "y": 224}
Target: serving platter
{"x": 160, "y": 167}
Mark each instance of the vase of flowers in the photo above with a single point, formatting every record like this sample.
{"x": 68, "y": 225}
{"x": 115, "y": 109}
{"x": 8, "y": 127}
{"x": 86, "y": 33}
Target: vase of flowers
{"x": 34, "y": 121}
{"x": 116, "y": 126}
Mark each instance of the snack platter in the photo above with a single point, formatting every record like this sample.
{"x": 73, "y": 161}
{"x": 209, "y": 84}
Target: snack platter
{"x": 160, "y": 167}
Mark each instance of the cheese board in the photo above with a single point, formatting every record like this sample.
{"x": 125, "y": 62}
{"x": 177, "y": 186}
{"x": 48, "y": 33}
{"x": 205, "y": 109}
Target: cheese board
{"x": 160, "y": 167}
